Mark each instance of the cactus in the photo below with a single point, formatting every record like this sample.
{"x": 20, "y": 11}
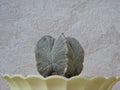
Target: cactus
{"x": 62, "y": 56}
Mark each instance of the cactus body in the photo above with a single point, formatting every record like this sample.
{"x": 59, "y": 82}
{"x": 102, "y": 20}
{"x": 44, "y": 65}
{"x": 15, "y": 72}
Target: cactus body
{"x": 63, "y": 56}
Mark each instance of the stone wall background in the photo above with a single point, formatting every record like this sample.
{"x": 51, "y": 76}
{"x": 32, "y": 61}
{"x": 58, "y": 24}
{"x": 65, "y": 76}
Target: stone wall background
{"x": 95, "y": 23}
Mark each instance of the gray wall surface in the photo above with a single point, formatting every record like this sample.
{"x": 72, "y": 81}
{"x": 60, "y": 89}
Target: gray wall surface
{"x": 95, "y": 23}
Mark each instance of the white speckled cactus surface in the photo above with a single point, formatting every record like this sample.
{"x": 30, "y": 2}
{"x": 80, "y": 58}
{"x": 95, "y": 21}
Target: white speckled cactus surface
{"x": 62, "y": 56}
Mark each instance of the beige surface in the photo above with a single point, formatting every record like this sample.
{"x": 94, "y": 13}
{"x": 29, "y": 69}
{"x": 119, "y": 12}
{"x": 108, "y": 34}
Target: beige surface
{"x": 95, "y": 23}
{"x": 36, "y": 82}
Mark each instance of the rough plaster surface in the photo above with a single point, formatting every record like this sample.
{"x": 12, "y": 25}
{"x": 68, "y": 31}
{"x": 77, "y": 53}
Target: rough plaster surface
{"x": 95, "y": 23}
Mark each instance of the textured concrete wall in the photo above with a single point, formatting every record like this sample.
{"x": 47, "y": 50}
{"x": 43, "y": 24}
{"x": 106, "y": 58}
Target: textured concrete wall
{"x": 95, "y": 23}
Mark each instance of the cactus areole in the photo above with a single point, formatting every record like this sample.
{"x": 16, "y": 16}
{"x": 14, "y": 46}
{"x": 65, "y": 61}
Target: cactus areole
{"x": 62, "y": 56}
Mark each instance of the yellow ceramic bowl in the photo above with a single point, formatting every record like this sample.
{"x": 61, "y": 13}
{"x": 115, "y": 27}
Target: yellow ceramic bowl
{"x": 37, "y": 82}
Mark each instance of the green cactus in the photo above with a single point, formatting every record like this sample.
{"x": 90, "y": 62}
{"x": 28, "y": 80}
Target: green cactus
{"x": 63, "y": 56}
